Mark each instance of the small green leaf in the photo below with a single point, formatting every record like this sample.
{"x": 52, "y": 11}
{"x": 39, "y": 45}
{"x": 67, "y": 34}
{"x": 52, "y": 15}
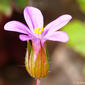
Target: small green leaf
{"x": 22, "y": 3}
{"x": 82, "y": 5}
{"x": 5, "y": 6}
{"x": 76, "y": 32}
{"x": 84, "y": 70}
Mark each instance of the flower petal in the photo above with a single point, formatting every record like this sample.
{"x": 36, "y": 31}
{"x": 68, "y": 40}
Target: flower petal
{"x": 24, "y": 37}
{"x": 58, "y": 23}
{"x": 33, "y": 17}
{"x": 17, "y": 27}
{"x": 58, "y": 36}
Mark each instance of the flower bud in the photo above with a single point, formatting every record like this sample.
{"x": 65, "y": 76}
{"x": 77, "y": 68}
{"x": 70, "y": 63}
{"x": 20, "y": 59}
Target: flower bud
{"x": 36, "y": 62}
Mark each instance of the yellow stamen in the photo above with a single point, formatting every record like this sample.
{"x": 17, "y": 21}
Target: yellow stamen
{"x": 38, "y": 30}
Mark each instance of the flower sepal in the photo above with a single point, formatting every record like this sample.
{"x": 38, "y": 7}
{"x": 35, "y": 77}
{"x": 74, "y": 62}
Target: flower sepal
{"x": 36, "y": 64}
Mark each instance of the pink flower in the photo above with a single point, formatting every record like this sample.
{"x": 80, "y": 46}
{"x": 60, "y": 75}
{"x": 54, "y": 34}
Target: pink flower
{"x": 34, "y": 20}
{"x": 37, "y": 33}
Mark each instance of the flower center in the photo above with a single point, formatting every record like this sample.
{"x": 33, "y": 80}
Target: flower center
{"x": 38, "y": 30}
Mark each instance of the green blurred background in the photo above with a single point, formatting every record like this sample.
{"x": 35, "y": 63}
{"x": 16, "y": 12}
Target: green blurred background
{"x": 67, "y": 60}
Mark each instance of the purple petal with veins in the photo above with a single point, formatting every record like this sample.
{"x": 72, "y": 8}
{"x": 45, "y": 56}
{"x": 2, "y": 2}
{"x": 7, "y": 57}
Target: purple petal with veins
{"x": 58, "y": 36}
{"x": 33, "y": 17}
{"x": 17, "y": 26}
{"x": 25, "y": 37}
{"x": 57, "y": 24}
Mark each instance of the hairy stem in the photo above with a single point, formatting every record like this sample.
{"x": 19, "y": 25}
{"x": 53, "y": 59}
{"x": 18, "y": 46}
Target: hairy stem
{"x": 37, "y": 81}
